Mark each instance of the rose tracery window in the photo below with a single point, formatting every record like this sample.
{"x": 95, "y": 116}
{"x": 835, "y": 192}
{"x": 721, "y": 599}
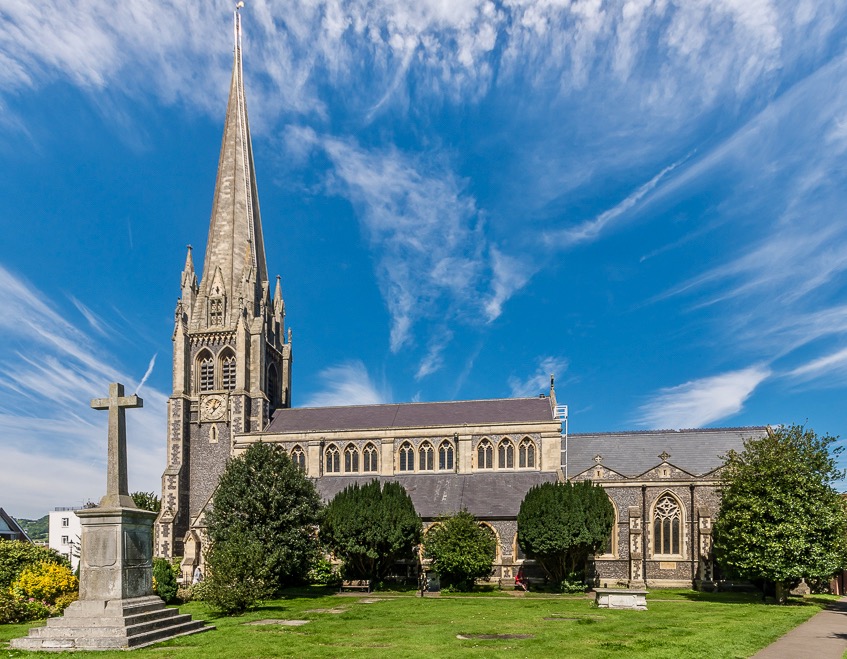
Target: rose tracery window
{"x": 667, "y": 524}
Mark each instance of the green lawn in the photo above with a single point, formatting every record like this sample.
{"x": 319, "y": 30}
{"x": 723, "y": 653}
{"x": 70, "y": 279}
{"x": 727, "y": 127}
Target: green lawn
{"x": 677, "y": 624}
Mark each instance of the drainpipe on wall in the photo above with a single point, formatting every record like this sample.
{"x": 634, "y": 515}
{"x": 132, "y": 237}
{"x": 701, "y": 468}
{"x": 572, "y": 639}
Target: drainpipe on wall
{"x": 644, "y": 525}
{"x": 691, "y": 536}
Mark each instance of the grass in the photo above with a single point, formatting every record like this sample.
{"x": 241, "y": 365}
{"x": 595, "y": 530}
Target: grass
{"x": 677, "y": 624}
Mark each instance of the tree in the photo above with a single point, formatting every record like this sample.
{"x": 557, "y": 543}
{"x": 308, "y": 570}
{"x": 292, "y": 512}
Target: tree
{"x": 147, "y": 501}
{"x": 462, "y": 550}
{"x": 370, "y": 527}
{"x": 263, "y": 502}
{"x": 780, "y": 518}
{"x": 561, "y": 524}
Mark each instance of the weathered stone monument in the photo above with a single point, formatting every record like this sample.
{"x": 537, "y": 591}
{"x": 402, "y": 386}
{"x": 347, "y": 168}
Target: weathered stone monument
{"x": 117, "y": 608}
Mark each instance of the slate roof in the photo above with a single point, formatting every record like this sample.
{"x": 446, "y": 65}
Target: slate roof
{"x": 485, "y": 495}
{"x": 631, "y": 454}
{"x": 10, "y": 529}
{"x": 411, "y": 415}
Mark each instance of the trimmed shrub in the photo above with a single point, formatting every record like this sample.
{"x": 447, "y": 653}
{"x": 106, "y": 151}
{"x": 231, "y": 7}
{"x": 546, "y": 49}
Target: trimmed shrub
{"x": 164, "y": 580}
{"x": 233, "y": 582}
{"x": 462, "y": 550}
{"x": 369, "y": 527}
{"x": 324, "y": 574}
{"x": 15, "y": 609}
{"x": 45, "y": 582}
{"x": 16, "y": 555}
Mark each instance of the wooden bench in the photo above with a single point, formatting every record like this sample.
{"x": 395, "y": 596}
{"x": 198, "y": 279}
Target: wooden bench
{"x": 356, "y": 584}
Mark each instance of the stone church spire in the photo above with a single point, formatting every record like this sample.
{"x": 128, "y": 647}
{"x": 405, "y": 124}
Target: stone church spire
{"x": 231, "y": 361}
{"x": 234, "y": 268}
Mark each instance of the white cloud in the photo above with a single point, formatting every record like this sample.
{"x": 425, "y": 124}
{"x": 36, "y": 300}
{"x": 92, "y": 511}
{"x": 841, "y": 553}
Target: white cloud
{"x": 835, "y": 362}
{"x": 434, "y": 358}
{"x": 591, "y": 230}
{"x": 510, "y": 274}
{"x": 539, "y": 381}
{"x": 346, "y": 384}
{"x": 420, "y": 223}
{"x": 49, "y": 372}
{"x": 701, "y": 402}
{"x": 681, "y": 56}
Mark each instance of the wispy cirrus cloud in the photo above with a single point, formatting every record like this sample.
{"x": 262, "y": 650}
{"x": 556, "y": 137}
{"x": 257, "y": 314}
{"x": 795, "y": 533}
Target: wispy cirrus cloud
{"x": 434, "y": 259}
{"x": 348, "y": 383}
{"x": 700, "y": 402}
{"x": 539, "y": 381}
{"x": 50, "y": 369}
{"x": 779, "y": 285}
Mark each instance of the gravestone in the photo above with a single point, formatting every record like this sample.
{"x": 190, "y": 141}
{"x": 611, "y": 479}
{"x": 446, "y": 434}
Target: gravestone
{"x": 116, "y": 608}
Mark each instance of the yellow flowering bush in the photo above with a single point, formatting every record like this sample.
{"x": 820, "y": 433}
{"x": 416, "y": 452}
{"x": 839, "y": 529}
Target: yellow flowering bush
{"x": 45, "y": 582}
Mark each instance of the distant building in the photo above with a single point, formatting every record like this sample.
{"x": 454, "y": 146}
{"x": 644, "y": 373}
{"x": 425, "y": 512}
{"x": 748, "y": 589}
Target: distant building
{"x": 64, "y": 533}
{"x": 10, "y": 529}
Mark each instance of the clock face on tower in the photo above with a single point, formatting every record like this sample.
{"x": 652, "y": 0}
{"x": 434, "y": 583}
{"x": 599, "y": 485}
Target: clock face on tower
{"x": 212, "y": 408}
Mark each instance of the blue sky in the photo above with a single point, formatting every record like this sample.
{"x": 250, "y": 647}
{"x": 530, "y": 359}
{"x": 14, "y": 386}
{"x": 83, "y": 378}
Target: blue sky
{"x": 645, "y": 197}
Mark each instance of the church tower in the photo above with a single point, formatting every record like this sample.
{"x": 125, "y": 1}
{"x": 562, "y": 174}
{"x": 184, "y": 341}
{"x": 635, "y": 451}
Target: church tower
{"x": 232, "y": 359}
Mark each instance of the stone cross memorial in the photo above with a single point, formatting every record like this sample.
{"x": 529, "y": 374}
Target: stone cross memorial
{"x": 117, "y": 490}
{"x": 116, "y": 608}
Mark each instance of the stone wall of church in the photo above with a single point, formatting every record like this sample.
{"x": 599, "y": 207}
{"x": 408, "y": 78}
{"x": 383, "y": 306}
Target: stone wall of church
{"x": 637, "y": 556}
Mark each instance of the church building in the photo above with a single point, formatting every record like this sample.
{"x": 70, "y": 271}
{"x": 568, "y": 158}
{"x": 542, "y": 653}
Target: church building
{"x": 232, "y": 387}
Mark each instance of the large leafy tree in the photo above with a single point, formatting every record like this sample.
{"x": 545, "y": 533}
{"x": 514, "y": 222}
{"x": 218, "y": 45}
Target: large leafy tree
{"x": 147, "y": 501}
{"x": 263, "y": 502}
{"x": 561, "y": 524}
{"x": 462, "y": 550}
{"x": 369, "y": 527}
{"x": 780, "y": 517}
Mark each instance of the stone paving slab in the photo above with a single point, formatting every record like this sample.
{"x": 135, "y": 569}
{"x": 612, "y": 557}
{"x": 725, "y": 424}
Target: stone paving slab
{"x": 276, "y": 621}
{"x": 823, "y": 636}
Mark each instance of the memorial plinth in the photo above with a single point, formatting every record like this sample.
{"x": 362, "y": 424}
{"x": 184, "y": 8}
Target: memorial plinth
{"x": 116, "y": 608}
{"x": 621, "y": 598}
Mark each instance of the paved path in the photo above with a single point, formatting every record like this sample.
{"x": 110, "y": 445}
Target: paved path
{"x": 823, "y": 636}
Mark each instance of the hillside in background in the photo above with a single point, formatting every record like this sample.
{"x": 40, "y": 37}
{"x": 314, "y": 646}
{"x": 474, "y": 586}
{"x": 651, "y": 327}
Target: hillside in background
{"x": 36, "y": 529}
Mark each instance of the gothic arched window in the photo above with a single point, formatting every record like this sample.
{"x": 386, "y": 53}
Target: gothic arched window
{"x": 351, "y": 459}
{"x": 484, "y": 455}
{"x": 506, "y": 454}
{"x": 526, "y": 453}
{"x": 667, "y": 525}
{"x": 273, "y": 385}
{"x": 228, "y": 371}
{"x": 425, "y": 454}
{"x": 370, "y": 458}
{"x": 298, "y": 457}
{"x": 333, "y": 459}
{"x": 407, "y": 457}
{"x": 445, "y": 455}
{"x": 205, "y": 372}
